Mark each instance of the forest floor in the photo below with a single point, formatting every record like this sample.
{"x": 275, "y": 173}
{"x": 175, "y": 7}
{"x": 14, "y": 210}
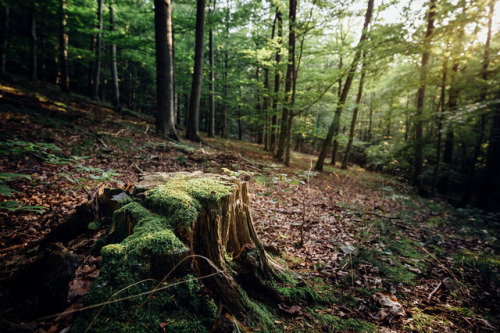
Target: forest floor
{"x": 384, "y": 258}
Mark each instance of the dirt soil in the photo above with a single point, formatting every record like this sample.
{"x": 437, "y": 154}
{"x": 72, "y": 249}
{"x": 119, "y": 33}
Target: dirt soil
{"x": 386, "y": 259}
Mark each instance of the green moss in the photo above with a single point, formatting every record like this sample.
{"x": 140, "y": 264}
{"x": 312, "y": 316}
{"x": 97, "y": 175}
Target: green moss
{"x": 302, "y": 292}
{"x": 487, "y": 265}
{"x": 422, "y": 322}
{"x": 183, "y": 307}
{"x": 180, "y": 198}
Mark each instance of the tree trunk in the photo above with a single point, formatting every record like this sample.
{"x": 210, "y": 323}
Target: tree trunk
{"x": 98, "y": 50}
{"x": 63, "y": 49}
{"x": 339, "y": 96}
{"x": 489, "y": 196}
{"x": 176, "y": 94}
{"x": 287, "y": 113}
{"x": 370, "y": 121}
{"x": 419, "y": 124}
{"x": 225, "y": 103}
{"x": 334, "y": 126}
{"x": 114, "y": 67}
{"x": 211, "y": 117}
{"x": 267, "y": 124}
{"x": 5, "y": 42}
{"x": 165, "y": 122}
{"x": 468, "y": 189}
{"x": 34, "y": 44}
{"x": 194, "y": 103}
{"x": 439, "y": 123}
{"x": 277, "y": 79}
{"x": 354, "y": 115}
{"x": 267, "y": 104}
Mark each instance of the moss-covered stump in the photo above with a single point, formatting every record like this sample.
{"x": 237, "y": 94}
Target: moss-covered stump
{"x": 168, "y": 260}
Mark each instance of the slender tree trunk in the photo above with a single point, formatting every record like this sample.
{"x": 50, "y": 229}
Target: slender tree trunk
{"x": 354, "y": 115}
{"x": 419, "y": 125}
{"x": 466, "y": 198}
{"x": 370, "y": 121}
{"x": 352, "y": 70}
{"x": 339, "y": 95}
{"x": 286, "y": 123}
{"x": 211, "y": 120}
{"x": 34, "y": 44}
{"x": 165, "y": 122}
{"x": 267, "y": 103}
{"x": 489, "y": 196}
{"x": 98, "y": 51}
{"x": 176, "y": 94}
{"x": 277, "y": 79}
{"x": 240, "y": 125}
{"x": 114, "y": 67}
{"x": 267, "y": 124}
{"x": 5, "y": 43}
{"x": 439, "y": 122}
{"x": 194, "y": 103}
{"x": 90, "y": 74}
{"x": 63, "y": 48}
{"x": 258, "y": 108}
{"x": 225, "y": 105}
{"x": 43, "y": 47}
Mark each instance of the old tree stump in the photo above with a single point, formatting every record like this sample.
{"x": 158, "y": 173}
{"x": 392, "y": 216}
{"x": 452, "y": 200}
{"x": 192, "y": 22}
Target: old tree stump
{"x": 182, "y": 254}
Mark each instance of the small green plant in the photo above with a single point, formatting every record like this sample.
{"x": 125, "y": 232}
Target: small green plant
{"x": 53, "y": 155}
{"x": 181, "y": 159}
{"x": 15, "y": 205}
{"x": 237, "y": 173}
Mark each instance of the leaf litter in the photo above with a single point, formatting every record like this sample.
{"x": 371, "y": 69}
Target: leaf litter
{"x": 375, "y": 250}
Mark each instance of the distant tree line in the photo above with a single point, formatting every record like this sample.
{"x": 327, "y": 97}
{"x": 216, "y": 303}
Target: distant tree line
{"x": 417, "y": 97}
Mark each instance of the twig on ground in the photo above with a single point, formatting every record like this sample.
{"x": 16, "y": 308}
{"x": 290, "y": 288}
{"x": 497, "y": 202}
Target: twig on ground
{"x": 246, "y": 160}
{"x": 435, "y": 290}
{"x": 384, "y": 217}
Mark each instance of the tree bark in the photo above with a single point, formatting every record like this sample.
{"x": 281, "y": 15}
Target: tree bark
{"x": 98, "y": 51}
{"x": 287, "y": 112}
{"x": 339, "y": 95}
{"x": 439, "y": 123}
{"x": 277, "y": 79}
{"x": 211, "y": 102}
{"x": 350, "y": 76}
{"x": 489, "y": 196}
{"x": 63, "y": 48}
{"x": 34, "y": 44}
{"x": 419, "y": 124}
{"x": 114, "y": 66}
{"x": 468, "y": 189}
{"x": 225, "y": 105}
{"x": 194, "y": 103}
{"x": 370, "y": 121}
{"x": 354, "y": 115}
{"x": 5, "y": 42}
{"x": 165, "y": 121}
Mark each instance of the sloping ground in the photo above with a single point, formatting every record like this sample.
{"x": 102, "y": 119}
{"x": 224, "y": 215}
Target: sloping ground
{"x": 380, "y": 257}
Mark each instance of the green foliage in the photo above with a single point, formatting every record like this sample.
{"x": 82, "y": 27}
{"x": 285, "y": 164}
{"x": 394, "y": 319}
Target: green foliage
{"x": 301, "y": 292}
{"x": 488, "y": 266}
{"x": 15, "y": 205}
{"x": 53, "y": 155}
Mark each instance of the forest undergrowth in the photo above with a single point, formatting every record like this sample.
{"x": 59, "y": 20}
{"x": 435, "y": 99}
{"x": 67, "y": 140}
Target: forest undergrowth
{"x": 378, "y": 256}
